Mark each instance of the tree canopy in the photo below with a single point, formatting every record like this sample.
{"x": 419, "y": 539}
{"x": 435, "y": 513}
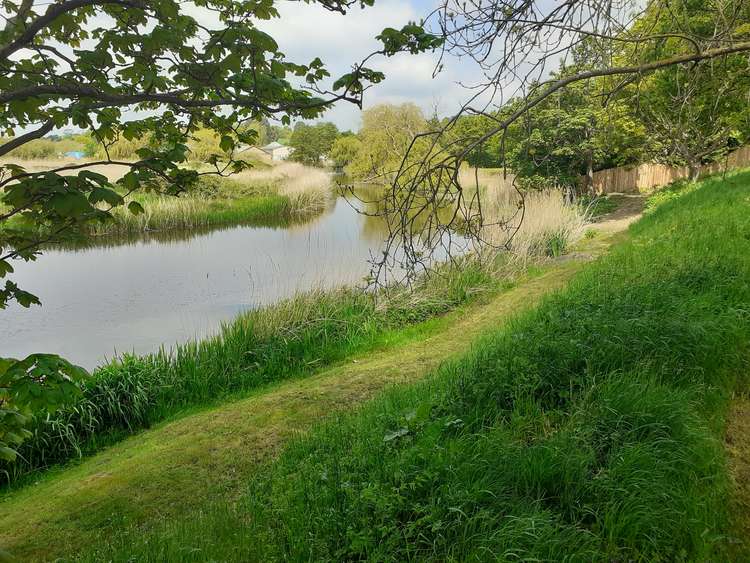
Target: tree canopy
{"x": 312, "y": 143}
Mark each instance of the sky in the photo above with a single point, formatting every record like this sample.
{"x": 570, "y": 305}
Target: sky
{"x": 305, "y": 31}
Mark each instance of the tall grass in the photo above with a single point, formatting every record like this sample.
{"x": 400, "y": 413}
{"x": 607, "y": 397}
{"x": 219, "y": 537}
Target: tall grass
{"x": 189, "y": 212}
{"x": 544, "y": 226}
{"x": 282, "y": 192}
{"x": 307, "y": 188}
{"x": 292, "y": 338}
{"x": 589, "y": 429}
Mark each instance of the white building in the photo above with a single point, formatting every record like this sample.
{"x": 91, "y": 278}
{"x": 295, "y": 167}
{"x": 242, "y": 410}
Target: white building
{"x": 277, "y": 151}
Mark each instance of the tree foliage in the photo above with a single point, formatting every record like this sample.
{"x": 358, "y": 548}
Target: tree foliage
{"x": 345, "y": 150}
{"x": 386, "y": 134}
{"x": 312, "y": 143}
{"x": 694, "y": 113}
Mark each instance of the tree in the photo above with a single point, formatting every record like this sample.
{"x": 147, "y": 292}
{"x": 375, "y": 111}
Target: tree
{"x": 345, "y": 150}
{"x": 386, "y": 134}
{"x": 513, "y": 45}
{"x": 488, "y": 154}
{"x": 695, "y": 113}
{"x": 153, "y": 74}
{"x": 312, "y": 143}
{"x": 280, "y": 134}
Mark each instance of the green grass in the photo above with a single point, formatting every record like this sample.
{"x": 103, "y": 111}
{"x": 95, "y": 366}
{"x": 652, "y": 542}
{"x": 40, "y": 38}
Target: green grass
{"x": 589, "y": 429}
{"x": 295, "y": 337}
{"x": 596, "y": 207}
{"x": 204, "y": 456}
{"x": 669, "y": 193}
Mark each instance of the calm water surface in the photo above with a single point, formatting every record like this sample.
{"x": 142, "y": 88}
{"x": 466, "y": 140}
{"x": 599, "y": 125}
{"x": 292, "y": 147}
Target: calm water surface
{"x": 136, "y": 297}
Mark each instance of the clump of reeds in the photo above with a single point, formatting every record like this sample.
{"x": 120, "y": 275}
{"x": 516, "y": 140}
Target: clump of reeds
{"x": 308, "y": 189}
{"x": 531, "y": 223}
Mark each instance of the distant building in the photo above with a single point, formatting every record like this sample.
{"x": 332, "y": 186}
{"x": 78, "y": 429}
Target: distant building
{"x": 277, "y": 151}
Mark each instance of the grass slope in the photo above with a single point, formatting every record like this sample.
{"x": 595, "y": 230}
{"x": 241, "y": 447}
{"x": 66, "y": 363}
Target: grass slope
{"x": 205, "y": 458}
{"x": 590, "y": 429}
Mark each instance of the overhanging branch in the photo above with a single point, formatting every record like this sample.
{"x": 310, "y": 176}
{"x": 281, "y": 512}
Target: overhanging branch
{"x": 26, "y": 137}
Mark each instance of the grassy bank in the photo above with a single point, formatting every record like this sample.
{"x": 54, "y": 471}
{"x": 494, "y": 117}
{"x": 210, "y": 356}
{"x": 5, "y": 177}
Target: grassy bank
{"x": 293, "y": 338}
{"x": 279, "y": 192}
{"x": 589, "y": 429}
{"x": 204, "y": 458}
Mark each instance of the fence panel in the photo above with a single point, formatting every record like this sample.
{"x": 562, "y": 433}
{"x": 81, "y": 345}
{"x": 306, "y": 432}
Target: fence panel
{"x": 646, "y": 177}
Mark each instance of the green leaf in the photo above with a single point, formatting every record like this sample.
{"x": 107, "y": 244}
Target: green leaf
{"x": 7, "y": 454}
{"x": 105, "y": 194}
{"x": 135, "y": 208}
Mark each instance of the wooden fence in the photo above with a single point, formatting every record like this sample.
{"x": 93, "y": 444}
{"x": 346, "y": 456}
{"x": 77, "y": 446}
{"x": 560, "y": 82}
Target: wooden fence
{"x": 646, "y": 177}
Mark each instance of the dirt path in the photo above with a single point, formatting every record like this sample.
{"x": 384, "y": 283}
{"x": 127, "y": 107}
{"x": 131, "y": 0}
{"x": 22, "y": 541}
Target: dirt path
{"x": 181, "y": 465}
{"x": 629, "y": 209}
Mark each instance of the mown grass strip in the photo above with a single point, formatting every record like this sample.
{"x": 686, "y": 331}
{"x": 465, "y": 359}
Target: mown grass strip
{"x": 589, "y": 429}
{"x": 205, "y": 457}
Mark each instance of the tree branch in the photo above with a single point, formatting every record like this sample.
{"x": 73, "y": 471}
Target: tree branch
{"x": 170, "y": 98}
{"x": 53, "y": 12}
{"x": 614, "y": 71}
{"x": 25, "y": 138}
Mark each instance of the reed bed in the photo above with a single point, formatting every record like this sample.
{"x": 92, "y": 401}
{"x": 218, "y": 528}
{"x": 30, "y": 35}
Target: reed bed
{"x": 284, "y": 192}
{"x": 193, "y": 212}
{"x": 546, "y": 225}
{"x": 281, "y": 192}
{"x": 308, "y": 189}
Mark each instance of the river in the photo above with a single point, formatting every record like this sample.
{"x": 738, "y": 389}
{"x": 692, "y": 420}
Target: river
{"x": 139, "y": 295}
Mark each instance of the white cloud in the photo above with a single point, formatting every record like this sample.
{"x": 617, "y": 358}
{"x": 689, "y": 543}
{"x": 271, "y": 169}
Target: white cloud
{"x": 306, "y": 31}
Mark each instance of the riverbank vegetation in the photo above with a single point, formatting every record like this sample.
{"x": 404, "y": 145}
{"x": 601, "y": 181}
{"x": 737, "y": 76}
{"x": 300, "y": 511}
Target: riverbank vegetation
{"x": 291, "y": 339}
{"x": 590, "y": 428}
{"x": 263, "y": 194}
{"x": 274, "y": 193}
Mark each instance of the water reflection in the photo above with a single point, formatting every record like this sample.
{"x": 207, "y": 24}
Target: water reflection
{"x": 111, "y": 296}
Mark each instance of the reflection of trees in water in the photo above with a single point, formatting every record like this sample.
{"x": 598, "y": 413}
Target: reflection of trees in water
{"x": 368, "y": 201}
{"x": 181, "y": 235}
{"x": 377, "y": 227}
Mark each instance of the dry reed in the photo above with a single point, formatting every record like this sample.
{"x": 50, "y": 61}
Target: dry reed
{"x": 544, "y": 225}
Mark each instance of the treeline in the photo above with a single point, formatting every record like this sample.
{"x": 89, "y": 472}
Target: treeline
{"x": 685, "y": 115}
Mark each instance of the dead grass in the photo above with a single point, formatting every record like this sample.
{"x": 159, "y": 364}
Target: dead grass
{"x": 545, "y": 226}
